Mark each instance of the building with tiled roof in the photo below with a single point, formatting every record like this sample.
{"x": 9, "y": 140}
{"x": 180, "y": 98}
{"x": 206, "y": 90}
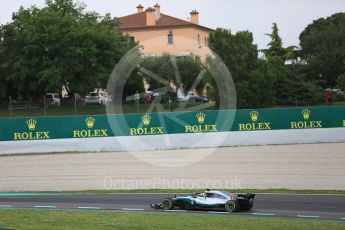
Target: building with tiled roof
{"x": 160, "y": 33}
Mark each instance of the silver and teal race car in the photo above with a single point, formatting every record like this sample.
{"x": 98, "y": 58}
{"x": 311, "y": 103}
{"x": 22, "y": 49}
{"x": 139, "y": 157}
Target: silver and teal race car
{"x": 209, "y": 200}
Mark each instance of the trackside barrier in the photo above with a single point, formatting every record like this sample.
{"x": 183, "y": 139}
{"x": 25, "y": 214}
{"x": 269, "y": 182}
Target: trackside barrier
{"x": 45, "y": 128}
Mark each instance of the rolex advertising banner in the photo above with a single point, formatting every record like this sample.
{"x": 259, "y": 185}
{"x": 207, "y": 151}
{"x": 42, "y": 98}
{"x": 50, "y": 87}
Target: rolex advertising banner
{"x": 19, "y": 129}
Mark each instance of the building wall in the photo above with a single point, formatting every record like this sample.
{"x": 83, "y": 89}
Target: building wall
{"x": 186, "y": 40}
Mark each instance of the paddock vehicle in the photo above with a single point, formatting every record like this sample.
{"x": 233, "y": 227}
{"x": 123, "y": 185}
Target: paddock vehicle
{"x": 209, "y": 200}
{"x": 95, "y": 98}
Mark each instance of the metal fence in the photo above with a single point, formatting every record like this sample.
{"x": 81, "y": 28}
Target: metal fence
{"x": 76, "y": 106}
{"x": 73, "y": 106}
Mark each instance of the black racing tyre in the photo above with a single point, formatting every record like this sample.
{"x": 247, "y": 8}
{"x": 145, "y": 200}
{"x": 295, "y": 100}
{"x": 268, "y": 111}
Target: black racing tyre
{"x": 167, "y": 204}
{"x": 230, "y": 206}
{"x": 250, "y": 203}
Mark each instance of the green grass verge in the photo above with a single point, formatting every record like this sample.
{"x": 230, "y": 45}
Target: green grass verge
{"x": 43, "y": 219}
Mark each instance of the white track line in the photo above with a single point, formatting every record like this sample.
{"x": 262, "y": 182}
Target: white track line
{"x": 175, "y": 210}
{"x": 132, "y": 209}
{"x": 44, "y": 206}
{"x": 263, "y": 214}
{"x": 89, "y": 208}
{"x": 5, "y": 206}
{"x": 304, "y": 216}
{"x": 214, "y": 212}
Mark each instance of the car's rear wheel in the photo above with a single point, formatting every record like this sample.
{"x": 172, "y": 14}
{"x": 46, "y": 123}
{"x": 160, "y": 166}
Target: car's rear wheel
{"x": 230, "y": 206}
{"x": 168, "y": 204}
{"x": 250, "y": 204}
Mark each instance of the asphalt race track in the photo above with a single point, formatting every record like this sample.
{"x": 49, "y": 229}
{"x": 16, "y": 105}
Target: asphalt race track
{"x": 266, "y": 205}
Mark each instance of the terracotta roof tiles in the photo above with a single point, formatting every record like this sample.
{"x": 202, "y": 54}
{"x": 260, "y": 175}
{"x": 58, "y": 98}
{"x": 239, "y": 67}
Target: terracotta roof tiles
{"x": 138, "y": 21}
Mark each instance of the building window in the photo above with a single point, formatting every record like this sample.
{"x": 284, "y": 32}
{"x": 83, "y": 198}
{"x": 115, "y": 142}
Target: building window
{"x": 131, "y": 38}
{"x": 170, "y": 38}
{"x": 206, "y": 41}
{"x": 198, "y": 38}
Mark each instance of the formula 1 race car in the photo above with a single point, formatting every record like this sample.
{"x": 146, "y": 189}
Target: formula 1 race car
{"x": 209, "y": 200}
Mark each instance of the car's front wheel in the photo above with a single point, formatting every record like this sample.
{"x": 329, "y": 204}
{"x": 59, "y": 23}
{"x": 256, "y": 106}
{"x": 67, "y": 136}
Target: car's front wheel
{"x": 168, "y": 204}
{"x": 230, "y": 206}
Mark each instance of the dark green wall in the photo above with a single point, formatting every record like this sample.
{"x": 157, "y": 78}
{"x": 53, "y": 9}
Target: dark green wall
{"x": 170, "y": 123}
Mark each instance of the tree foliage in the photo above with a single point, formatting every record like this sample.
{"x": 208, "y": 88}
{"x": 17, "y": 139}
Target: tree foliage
{"x": 276, "y": 79}
{"x": 240, "y": 55}
{"x": 180, "y": 71}
{"x": 134, "y": 84}
{"x": 289, "y": 81}
{"x": 341, "y": 81}
{"x": 323, "y": 49}
{"x": 59, "y": 45}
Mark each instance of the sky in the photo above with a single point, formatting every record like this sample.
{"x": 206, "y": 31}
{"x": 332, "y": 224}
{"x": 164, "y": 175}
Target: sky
{"x": 257, "y": 16}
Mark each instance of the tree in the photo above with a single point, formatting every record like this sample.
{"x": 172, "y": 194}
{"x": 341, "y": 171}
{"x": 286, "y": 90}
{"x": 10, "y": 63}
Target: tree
{"x": 187, "y": 68}
{"x": 60, "y": 45}
{"x": 287, "y": 74}
{"x": 276, "y": 69}
{"x": 323, "y": 49}
{"x": 3, "y": 84}
{"x": 275, "y": 46}
{"x": 240, "y": 55}
{"x": 341, "y": 82}
{"x": 6, "y": 88}
{"x": 134, "y": 83}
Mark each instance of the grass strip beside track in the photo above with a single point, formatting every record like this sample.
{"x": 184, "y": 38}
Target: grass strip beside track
{"x": 43, "y": 219}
